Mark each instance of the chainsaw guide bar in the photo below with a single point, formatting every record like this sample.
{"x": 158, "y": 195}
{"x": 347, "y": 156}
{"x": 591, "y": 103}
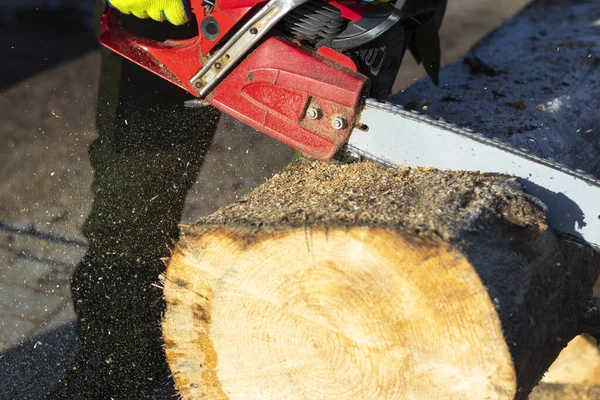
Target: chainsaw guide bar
{"x": 392, "y": 136}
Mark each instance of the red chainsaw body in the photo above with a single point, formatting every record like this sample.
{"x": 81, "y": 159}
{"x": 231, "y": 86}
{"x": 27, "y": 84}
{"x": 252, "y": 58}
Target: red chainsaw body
{"x": 271, "y": 89}
{"x": 272, "y": 94}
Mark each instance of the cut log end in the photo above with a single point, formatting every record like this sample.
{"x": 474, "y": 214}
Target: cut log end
{"x": 359, "y": 312}
{"x": 356, "y": 281}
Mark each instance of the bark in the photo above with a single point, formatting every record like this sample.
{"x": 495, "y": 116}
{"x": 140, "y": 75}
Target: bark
{"x": 358, "y": 281}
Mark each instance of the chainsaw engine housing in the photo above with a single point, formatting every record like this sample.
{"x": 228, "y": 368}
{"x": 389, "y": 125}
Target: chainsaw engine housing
{"x": 297, "y": 70}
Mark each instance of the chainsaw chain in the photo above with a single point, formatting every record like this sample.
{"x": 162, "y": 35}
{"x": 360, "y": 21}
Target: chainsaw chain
{"x": 421, "y": 118}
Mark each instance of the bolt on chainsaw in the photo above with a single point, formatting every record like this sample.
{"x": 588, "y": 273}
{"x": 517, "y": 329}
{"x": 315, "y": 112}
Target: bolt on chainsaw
{"x": 315, "y": 75}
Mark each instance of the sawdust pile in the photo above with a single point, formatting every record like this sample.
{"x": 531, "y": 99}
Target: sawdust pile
{"x": 419, "y": 200}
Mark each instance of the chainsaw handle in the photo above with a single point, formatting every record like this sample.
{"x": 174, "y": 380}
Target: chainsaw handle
{"x": 169, "y": 59}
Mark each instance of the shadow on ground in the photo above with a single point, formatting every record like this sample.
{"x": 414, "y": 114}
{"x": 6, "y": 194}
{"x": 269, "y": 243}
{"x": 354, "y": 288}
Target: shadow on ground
{"x": 35, "y": 40}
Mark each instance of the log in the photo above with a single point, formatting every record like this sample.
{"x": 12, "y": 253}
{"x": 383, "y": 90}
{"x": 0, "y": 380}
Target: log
{"x": 338, "y": 282}
{"x": 547, "y": 391}
{"x": 533, "y": 83}
{"x": 578, "y": 363}
{"x": 357, "y": 281}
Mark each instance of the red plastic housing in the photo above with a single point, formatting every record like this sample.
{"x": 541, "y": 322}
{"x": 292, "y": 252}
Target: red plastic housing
{"x": 178, "y": 60}
{"x": 275, "y": 85}
{"x": 270, "y": 90}
{"x": 174, "y": 60}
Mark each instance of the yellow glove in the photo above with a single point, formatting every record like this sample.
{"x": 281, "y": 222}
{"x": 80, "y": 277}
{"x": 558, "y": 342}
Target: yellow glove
{"x": 176, "y": 12}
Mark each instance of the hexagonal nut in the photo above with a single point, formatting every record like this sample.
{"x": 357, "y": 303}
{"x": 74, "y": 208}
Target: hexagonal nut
{"x": 314, "y": 113}
{"x": 339, "y": 122}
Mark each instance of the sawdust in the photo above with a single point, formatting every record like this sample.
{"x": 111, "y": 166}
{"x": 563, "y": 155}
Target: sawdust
{"x": 421, "y": 200}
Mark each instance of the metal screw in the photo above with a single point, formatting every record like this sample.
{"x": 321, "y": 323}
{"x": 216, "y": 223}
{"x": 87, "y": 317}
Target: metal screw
{"x": 339, "y": 123}
{"x": 253, "y": 31}
{"x": 217, "y": 65}
{"x": 198, "y": 85}
{"x": 314, "y": 113}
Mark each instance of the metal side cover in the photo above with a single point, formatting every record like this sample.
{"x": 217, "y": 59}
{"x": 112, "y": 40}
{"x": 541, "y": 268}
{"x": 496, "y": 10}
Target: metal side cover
{"x": 397, "y": 137}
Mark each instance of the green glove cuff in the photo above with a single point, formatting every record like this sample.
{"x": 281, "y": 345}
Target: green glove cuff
{"x": 173, "y": 11}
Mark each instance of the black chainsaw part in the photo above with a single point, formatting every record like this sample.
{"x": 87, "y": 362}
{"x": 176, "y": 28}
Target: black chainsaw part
{"x": 381, "y": 59}
{"x": 313, "y": 21}
{"x": 380, "y": 20}
{"x": 210, "y": 28}
{"x": 378, "y": 41}
{"x": 424, "y": 43}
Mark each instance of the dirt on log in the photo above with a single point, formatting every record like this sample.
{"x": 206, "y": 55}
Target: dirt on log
{"x": 337, "y": 281}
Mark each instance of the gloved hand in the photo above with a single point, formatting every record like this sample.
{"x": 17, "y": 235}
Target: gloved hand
{"x": 176, "y": 12}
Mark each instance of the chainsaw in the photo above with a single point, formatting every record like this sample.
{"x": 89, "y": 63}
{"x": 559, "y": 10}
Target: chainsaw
{"x": 314, "y": 74}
